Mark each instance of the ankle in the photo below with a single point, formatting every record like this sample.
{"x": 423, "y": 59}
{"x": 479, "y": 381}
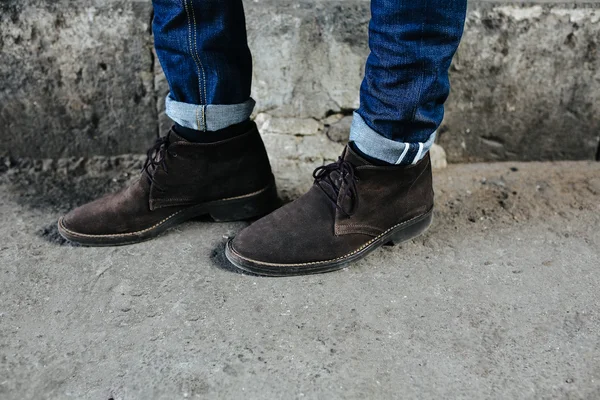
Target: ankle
{"x": 195, "y": 136}
{"x": 371, "y": 160}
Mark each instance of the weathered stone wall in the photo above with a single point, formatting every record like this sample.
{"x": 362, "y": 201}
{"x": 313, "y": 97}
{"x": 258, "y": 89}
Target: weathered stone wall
{"x": 526, "y": 84}
{"x": 78, "y": 78}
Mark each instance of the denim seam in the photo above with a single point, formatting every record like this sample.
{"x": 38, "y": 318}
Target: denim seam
{"x": 420, "y": 92}
{"x": 190, "y": 46}
{"x": 201, "y": 117}
{"x": 201, "y": 122}
{"x": 204, "y": 99}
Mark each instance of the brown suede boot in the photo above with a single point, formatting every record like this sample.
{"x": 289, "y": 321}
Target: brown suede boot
{"x": 228, "y": 180}
{"x": 353, "y": 208}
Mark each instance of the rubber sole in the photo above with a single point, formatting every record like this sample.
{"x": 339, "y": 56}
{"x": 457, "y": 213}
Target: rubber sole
{"x": 239, "y": 208}
{"x": 395, "y": 235}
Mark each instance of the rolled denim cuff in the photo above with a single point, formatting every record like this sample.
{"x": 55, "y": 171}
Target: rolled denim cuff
{"x": 375, "y": 145}
{"x": 208, "y": 117}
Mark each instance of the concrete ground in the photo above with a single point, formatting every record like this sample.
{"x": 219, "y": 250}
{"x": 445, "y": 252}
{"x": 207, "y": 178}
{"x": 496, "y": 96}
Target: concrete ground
{"x": 499, "y": 300}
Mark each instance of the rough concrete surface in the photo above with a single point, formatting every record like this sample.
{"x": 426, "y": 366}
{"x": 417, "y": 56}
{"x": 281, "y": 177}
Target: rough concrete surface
{"x": 76, "y": 76}
{"x": 526, "y": 84}
{"x": 498, "y": 300}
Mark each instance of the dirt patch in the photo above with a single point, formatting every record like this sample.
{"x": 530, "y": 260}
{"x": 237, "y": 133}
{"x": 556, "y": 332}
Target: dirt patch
{"x": 60, "y": 185}
{"x": 474, "y": 197}
{"x": 50, "y": 234}
{"x": 219, "y": 260}
{"x": 479, "y": 196}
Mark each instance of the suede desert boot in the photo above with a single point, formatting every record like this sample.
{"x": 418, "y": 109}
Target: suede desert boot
{"x": 229, "y": 180}
{"x": 353, "y": 208}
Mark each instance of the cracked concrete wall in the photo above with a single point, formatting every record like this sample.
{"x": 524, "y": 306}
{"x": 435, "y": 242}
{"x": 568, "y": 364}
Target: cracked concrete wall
{"x": 525, "y": 79}
{"x": 526, "y": 85}
{"x": 76, "y": 77}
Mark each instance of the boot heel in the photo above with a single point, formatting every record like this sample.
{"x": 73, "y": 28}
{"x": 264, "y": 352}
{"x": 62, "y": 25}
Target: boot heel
{"x": 405, "y": 233}
{"x": 252, "y": 206}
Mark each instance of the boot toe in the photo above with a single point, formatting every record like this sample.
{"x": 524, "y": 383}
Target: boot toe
{"x": 257, "y": 243}
{"x": 81, "y": 220}
{"x": 299, "y": 234}
{"x": 71, "y": 222}
{"x": 99, "y": 217}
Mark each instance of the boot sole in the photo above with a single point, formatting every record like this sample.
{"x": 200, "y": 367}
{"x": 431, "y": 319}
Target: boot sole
{"x": 239, "y": 208}
{"x": 395, "y": 235}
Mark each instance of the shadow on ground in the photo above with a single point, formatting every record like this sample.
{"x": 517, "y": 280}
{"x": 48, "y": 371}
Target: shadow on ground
{"x": 468, "y": 197}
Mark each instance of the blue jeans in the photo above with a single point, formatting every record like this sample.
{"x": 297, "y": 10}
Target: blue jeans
{"x": 202, "y": 47}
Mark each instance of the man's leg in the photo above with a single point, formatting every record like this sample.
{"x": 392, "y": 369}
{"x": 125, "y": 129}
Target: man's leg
{"x": 202, "y": 47}
{"x": 380, "y": 191}
{"x": 213, "y": 161}
{"x": 406, "y": 78}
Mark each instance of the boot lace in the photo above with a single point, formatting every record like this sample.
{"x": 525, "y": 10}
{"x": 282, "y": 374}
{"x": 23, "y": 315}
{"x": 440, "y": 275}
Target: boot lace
{"x": 156, "y": 157}
{"x": 347, "y": 179}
